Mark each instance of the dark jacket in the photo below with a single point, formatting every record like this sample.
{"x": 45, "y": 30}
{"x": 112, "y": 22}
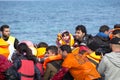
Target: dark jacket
{"x": 52, "y": 68}
{"x": 103, "y": 41}
{"x": 84, "y": 41}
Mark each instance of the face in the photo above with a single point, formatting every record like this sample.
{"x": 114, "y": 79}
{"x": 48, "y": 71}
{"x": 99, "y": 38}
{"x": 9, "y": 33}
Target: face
{"x": 66, "y": 37}
{"x": 63, "y": 53}
{"x": 79, "y": 34}
{"x": 50, "y": 53}
{"x": 59, "y": 51}
{"x": 107, "y": 32}
{"x": 6, "y": 32}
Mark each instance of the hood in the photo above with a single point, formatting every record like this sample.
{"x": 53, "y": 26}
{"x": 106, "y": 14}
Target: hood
{"x": 114, "y": 58}
{"x": 101, "y": 34}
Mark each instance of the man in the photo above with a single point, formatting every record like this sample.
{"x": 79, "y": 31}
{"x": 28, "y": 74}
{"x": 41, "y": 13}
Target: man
{"x": 53, "y": 62}
{"x": 81, "y": 36}
{"x": 5, "y": 34}
{"x": 102, "y": 38}
{"x": 103, "y": 34}
{"x": 79, "y": 66}
{"x": 109, "y": 66}
{"x": 116, "y": 33}
{"x": 95, "y": 53}
{"x": 116, "y": 26}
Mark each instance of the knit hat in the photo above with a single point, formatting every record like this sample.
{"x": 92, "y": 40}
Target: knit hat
{"x": 115, "y": 41}
{"x": 93, "y": 45}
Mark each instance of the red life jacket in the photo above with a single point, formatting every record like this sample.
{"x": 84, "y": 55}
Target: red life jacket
{"x": 27, "y": 70}
{"x": 40, "y": 67}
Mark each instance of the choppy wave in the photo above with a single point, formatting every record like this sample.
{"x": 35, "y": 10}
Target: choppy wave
{"x": 42, "y": 20}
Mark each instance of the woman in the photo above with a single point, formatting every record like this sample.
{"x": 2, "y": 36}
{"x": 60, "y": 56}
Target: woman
{"x": 25, "y": 63}
{"x": 65, "y": 37}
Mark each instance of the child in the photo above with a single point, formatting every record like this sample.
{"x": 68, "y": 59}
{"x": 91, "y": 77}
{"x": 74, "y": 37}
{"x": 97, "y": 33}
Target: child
{"x": 65, "y": 38}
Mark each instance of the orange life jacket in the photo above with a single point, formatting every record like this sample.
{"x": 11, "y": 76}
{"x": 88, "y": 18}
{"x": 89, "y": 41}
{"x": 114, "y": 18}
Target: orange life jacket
{"x": 4, "y": 48}
{"x": 95, "y": 59}
{"x": 51, "y": 58}
{"x": 27, "y": 70}
{"x": 80, "y": 67}
{"x": 76, "y": 50}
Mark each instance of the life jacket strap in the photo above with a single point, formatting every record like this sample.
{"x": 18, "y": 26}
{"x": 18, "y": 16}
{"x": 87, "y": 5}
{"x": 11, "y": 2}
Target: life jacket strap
{"x": 28, "y": 76}
{"x": 94, "y": 62}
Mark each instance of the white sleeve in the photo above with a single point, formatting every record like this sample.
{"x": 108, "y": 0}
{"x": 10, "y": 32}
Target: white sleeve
{"x": 11, "y": 49}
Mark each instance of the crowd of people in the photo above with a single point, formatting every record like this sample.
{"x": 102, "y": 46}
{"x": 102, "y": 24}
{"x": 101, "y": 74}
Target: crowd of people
{"x": 74, "y": 57}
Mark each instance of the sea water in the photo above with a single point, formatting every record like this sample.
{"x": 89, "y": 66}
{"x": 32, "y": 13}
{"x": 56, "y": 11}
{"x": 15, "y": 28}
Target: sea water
{"x": 41, "y": 21}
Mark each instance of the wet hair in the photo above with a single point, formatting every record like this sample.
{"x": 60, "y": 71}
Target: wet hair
{"x": 104, "y": 28}
{"x": 23, "y": 49}
{"x": 116, "y": 32}
{"x": 66, "y": 48}
{"x": 117, "y": 26}
{"x": 53, "y": 49}
{"x": 42, "y": 44}
{"x": 82, "y": 28}
{"x": 3, "y": 27}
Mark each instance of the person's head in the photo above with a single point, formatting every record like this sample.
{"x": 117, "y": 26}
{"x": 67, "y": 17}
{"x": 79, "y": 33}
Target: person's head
{"x": 65, "y": 49}
{"x": 115, "y": 44}
{"x": 92, "y": 46}
{"x": 42, "y": 44}
{"x": 65, "y": 35}
{"x": 104, "y": 29}
{"x": 80, "y": 31}
{"x": 41, "y": 49}
{"x": 23, "y": 49}
{"x": 5, "y": 30}
{"x": 30, "y": 45}
{"x": 116, "y": 26}
{"x": 52, "y": 50}
{"x": 116, "y": 33}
